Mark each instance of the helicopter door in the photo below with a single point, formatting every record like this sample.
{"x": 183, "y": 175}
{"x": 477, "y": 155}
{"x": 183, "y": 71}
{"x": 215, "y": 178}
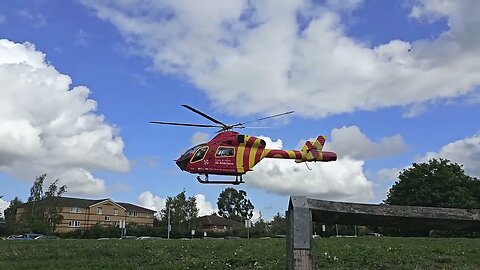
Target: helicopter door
{"x": 225, "y": 159}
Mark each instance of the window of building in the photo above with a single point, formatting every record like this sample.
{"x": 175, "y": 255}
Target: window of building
{"x": 225, "y": 152}
{"x": 132, "y": 213}
{"x": 115, "y": 212}
{"x": 107, "y": 218}
{"x": 99, "y": 210}
{"x": 200, "y": 154}
{"x": 73, "y": 223}
{"x": 75, "y": 210}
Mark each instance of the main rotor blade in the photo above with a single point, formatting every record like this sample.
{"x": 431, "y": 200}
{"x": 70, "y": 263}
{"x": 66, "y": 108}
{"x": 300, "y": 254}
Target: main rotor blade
{"x": 206, "y": 116}
{"x": 263, "y": 118}
{"x": 184, "y": 124}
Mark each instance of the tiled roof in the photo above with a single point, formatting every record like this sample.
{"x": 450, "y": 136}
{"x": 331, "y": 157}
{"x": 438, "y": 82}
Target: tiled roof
{"x": 85, "y": 203}
{"x": 218, "y": 221}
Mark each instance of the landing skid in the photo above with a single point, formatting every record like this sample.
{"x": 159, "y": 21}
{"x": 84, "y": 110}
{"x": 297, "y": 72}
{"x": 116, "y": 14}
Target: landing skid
{"x": 238, "y": 180}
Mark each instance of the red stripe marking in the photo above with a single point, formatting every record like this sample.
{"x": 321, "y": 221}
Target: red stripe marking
{"x": 250, "y": 141}
{"x": 321, "y": 139}
{"x": 246, "y": 154}
{"x": 309, "y": 145}
{"x": 258, "y": 154}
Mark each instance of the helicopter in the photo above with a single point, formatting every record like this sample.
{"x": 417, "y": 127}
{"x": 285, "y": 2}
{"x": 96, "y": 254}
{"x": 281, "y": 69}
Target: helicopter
{"x": 230, "y": 153}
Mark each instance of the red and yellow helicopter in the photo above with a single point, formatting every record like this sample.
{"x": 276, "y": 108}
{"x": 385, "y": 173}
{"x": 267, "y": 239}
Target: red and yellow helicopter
{"x": 233, "y": 154}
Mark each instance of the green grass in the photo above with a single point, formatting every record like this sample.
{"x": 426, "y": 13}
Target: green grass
{"x": 332, "y": 253}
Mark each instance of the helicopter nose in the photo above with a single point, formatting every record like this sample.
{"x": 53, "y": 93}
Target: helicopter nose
{"x": 182, "y": 163}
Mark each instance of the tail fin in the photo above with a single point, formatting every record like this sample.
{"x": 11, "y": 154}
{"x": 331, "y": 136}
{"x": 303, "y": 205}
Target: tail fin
{"x": 311, "y": 150}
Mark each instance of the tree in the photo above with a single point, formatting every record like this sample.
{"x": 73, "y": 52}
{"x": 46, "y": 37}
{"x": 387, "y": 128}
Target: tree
{"x": 233, "y": 204}
{"x": 438, "y": 183}
{"x": 10, "y": 215}
{"x": 42, "y": 211}
{"x": 278, "y": 225}
{"x": 183, "y": 213}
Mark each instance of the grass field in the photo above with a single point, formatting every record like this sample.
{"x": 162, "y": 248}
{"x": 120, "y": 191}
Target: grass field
{"x": 332, "y": 253}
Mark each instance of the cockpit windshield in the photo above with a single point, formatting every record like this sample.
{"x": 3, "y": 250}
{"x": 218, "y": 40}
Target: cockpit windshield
{"x": 193, "y": 149}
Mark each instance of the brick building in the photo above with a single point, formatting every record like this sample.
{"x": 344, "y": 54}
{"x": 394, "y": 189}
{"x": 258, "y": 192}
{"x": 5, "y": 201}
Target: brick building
{"x": 82, "y": 213}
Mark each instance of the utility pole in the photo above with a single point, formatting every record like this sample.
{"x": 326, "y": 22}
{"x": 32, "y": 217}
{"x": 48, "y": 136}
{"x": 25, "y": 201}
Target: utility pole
{"x": 169, "y": 226}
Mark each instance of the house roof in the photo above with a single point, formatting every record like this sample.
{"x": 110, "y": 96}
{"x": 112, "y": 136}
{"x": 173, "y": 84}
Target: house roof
{"x": 85, "y": 203}
{"x": 218, "y": 221}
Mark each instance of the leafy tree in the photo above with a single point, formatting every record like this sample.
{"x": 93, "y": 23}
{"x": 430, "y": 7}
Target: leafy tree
{"x": 438, "y": 183}
{"x": 278, "y": 225}
{"x": 42, "y": 211}
{"x": 233, "y": 204}
{"x": 183, "y": 213}
{"x": 10, "y": 214}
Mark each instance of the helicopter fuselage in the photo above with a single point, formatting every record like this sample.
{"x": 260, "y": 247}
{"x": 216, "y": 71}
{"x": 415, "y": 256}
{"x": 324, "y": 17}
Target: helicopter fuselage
{"x": 231, "y": 153}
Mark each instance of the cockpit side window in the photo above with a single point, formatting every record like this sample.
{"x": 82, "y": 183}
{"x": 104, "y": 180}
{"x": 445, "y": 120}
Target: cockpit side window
{"x": 200, "y": 154}
{"x": 192, "y": 150}
{"x": 225, "y": 152}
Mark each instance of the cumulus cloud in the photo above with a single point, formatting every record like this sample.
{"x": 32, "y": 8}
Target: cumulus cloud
{"x": 256, "y": 216}
{"x": 204, "y": 206}
{"x": 343, "y": 179}
{"x": 388, "y": 174}
{"x": 3, "y": 205}
{"x": 296, "y": 54}
{"x": 48, "y": 127}
{"x": 150, "y": 201}
{"x": 351, "y": 141}
{"x": 199, "y": 137}
{"x": 465, "y": 151}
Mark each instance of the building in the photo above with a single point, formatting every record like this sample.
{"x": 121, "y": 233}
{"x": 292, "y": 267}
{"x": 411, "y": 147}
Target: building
{"x": 82, "y": 213}
{"x": 214, "y": 223}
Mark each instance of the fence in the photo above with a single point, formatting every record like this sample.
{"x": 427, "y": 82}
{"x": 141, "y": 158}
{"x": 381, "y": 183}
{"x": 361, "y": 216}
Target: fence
{"x": 302, "y": 211}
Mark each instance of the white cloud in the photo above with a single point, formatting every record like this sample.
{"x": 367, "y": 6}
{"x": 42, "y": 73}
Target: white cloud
{"x": 150, "y": 201}
{"x": 256, "y": 216}
{"x": 3, "y": 205}
{"x": 350, "y": 141}
{"x": 465, "y": 151}
{"x": 388, "y": 174}
{"x": 204, "y": 206}
{"x": 343, "y": 4}
{"x": 414, "y": 110}
{"x": 243, "y": 53}
{"x": 343, "y": 179}
{"x": 199, "y": 137}
{"x": 48, "y": 127}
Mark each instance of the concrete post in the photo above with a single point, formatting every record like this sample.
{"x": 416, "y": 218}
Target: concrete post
{"x": 299, "y": 235}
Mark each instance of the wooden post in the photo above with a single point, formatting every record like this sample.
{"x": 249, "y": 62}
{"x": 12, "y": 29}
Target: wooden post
{"x": 299, "y": 235}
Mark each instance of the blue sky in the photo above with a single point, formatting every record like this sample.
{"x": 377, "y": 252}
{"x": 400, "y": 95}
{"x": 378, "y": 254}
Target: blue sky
{"x": 388, "y": 82}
